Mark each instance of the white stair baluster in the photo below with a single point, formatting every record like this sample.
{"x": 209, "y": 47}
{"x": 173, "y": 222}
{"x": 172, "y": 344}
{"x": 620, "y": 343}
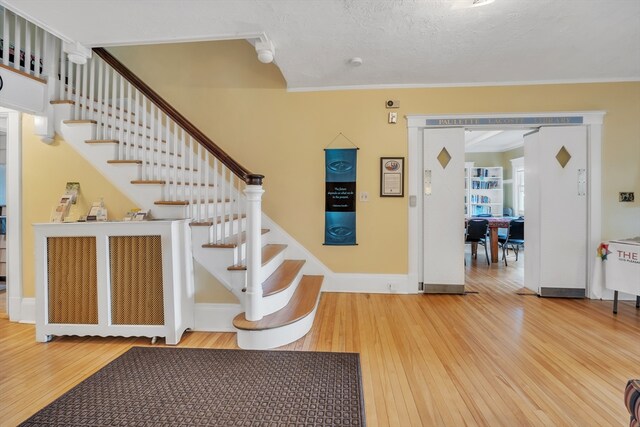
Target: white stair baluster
{"x": 85, "y": 112}
{"x": 183, "y": 151}
{"x": 92, "y": 90}
{"x": 173, "y": 129}
{"x": 145, "y": 139}
{"x": 166, "y": 193}
{"x": 210, "y": 205}
{"x": 70, "y": 85}
{"x": 27, "y": 46}
{"x": 199, "y": 164}
{"x": 214, "y": 237}
{"x": 223, "y": 195}
{"x": 162, "y": 149}
{"x": 106, "y": 100}
{"x": 38, "y": 51}
{"x": 191, "y": 177}
{"x": 63, "y": 73}
{"x": 76, "y": 87}
{"x": 17, "y": 42}
{"x": 152, "y": 135}
{"x": 127, "y": 132}
{"x": 134, "y": 127}
{"x": 113, "y": 102}
{"x": 98, "y": 113}
{"x": 121, "y": 155}
{"x": 5, "y": 37}
{"x": 238, "y": 213}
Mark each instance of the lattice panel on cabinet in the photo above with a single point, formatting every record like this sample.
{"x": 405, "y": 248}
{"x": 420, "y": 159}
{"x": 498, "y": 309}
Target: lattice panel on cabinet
{"x": 136, "y": 280}
{"x": 72, "y": 280}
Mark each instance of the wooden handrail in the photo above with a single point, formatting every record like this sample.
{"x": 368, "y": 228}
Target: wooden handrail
{"x": 179, "y": 119}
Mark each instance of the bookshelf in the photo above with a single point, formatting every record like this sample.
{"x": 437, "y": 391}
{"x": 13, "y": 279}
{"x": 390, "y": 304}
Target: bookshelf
{"x": 484, "y": 191}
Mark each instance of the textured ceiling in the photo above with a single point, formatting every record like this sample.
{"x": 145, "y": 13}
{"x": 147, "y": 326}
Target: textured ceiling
{"x": 401, "y": 42}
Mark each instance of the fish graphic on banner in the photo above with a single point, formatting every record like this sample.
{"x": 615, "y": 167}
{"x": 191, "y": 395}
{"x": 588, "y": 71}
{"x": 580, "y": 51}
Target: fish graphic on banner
{"x": 340, "y": 199}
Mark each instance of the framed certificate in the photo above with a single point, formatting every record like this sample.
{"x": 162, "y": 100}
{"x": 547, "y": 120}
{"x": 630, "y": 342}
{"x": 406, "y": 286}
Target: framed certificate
{"x": 391, "y": 176}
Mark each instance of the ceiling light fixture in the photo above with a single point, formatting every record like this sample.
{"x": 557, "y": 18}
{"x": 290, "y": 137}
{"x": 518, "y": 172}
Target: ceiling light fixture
{"x": 265, "y": 50}
{"x": 478, "y": 3}
{"x": 355, "y": 61}
{"x": 77, "y": 53}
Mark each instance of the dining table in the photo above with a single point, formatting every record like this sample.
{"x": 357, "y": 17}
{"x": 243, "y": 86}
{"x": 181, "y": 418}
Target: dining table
{"x": 495, "y": 222}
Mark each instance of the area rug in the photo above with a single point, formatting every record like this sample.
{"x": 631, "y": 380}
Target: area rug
{"x": 202, "y": 387}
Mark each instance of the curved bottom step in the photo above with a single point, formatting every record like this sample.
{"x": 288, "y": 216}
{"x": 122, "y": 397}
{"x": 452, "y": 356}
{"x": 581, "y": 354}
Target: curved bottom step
{"x": 286, "y": 325}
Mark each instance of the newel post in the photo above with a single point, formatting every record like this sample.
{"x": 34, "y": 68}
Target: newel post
{"x": 253, "y": 192}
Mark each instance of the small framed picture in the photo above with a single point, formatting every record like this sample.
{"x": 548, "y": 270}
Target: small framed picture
{"x": 391, "y": 176}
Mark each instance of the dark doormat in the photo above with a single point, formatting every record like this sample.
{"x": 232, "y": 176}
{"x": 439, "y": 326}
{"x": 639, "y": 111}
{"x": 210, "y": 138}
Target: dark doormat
{"x": 202, "y": 387}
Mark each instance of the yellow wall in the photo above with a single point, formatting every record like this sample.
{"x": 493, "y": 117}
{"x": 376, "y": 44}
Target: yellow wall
{"x": 46, "y": 169}
{"x": 244, "y": 106}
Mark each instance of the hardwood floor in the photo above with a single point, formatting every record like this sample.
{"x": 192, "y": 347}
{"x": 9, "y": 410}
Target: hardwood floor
{"x": 491, "y": 358}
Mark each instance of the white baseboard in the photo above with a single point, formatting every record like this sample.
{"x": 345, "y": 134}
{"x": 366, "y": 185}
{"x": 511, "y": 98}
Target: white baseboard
{"x": 215, "y": 317}
{"x": 340, "y": 282}
{"x": 367, "y": 283}
{"x": 27, "y": 311}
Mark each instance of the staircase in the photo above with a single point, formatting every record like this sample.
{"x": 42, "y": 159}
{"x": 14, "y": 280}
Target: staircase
{"x": 162, "y": 162}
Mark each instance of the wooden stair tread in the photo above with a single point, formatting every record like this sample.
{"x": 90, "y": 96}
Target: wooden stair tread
{"x": 22, "y": 73}
{"x": 268, "y": 253}
{"x": 139, "y": 162}
{"x": 195, "y": 183}
{"x": 102, "y": 141}
{"x": 148, "y": 181}
{"x": 232, "y": 240}
{"x": 187, "y": 202}
{"x": 124, "y": 162}
{"x": 162, "y": 165}
{"x": 302, "y": 303}
{"x": 116, "y": 141}
{"x": 79, "y": 122}
{"x": 219, "y": 220}
{"x": 155, "y": 150}
{"x": 283, "y": 277}
{"x": 84, "y": 99}
{"x": 171, "y": 203}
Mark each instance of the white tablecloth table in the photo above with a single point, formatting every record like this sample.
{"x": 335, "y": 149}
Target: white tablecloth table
{"x": 621, "y": 263}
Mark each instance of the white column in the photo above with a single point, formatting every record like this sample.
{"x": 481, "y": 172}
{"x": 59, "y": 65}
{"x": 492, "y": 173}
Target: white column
{"x": 253, "y": 302}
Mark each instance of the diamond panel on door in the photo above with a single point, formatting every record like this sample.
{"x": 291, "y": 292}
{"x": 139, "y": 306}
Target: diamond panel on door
{"x": 444, "y": 158}
{"x": 563, "y": 157}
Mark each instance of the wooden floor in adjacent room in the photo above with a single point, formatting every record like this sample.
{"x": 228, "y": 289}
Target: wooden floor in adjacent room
{"x": 491, "y": 358}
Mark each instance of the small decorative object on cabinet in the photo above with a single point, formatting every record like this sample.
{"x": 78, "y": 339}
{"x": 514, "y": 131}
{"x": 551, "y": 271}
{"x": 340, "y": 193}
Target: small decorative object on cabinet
{"x": 484, "y": 191}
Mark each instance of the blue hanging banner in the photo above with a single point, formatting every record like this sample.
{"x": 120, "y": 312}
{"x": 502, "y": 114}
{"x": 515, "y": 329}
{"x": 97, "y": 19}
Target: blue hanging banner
{"x": 340, "y": 200}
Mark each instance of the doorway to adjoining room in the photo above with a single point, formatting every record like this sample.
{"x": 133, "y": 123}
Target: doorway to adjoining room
{"x": 494, "y": 191}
